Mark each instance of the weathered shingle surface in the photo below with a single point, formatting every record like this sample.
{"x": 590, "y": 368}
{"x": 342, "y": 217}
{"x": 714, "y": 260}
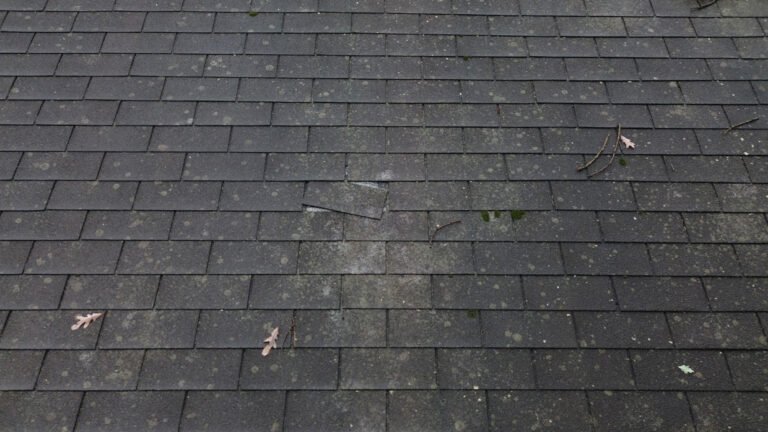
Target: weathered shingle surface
{"x": 204, "y": 171}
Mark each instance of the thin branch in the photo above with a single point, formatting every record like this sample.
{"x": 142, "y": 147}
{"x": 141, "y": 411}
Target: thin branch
{"x": 439, "y": 227}
{"x": 616, "y": 147}
{"x": 738, "y": 125}
{"x": 291, "y": 332}
{"x": 705, "y": 5}
{"x": 599, "y": 153}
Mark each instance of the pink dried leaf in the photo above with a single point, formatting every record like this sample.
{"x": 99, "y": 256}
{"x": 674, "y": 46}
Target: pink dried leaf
{"x": 84, "y": 321}
{"x": 270, "y": 342}
{"x": 627, "y": 142}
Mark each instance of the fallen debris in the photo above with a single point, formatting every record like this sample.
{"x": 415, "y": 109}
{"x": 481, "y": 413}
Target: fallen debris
{"x": 704, "y": 5}
{"x": 738, "y": 125}
{"x": 616, "y": 147}
{"x": 291, "y": 332}
{"x": 270, "y": 342}
{"x": 86, "y": 320}
{"x": 628, "y": 143}
{"x": 599, "y": 153}
{"x": 686, "y": 369}
{"x": 439, "y": 227}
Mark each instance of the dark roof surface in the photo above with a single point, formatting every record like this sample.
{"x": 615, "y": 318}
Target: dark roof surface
{"x": 204, "y": 171}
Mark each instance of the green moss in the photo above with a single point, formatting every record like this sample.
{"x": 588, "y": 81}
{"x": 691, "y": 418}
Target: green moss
{"x": 472, "y": 313}
{"x": 485, "y": 215}
{"x": 516, "y": 214}
{"x": 622, "y": 162}
{"x": 466, "y": 58}
{"x": 253, "y": 13}
{"x": 496, "y": 214}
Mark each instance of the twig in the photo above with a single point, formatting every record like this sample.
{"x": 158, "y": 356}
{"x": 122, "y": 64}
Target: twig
{"x": 705, "y": 5}
{"x": 738, "y": 125}
{"x": 599, "y": 153}
{"x": 439, "y": 227}
{"x": 613, "y": 154}
{"x": 291, "y": 332}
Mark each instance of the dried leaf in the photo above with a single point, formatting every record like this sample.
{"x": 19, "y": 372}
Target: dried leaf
{"x": 270, "y": 342}
{"x": 85, "y": 320}
{"x": 686, "y": 369}
{"x": 627, "y": 142}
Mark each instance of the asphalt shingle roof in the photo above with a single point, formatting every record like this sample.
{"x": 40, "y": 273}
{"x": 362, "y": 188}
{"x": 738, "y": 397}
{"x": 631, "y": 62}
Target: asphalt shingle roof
{"x": 204, "y": 171}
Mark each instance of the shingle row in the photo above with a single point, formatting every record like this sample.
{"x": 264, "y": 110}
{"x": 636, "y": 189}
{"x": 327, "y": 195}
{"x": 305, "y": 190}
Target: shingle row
{"x": 328, "y": 292}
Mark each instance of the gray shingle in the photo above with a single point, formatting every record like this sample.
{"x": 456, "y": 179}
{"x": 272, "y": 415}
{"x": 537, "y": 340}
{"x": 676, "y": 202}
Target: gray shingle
{"x": 20, "y": 369}
{"x": 216, "y": 89}
{"x": 214, "y": 226}
{"x": 47, "y": 225}
{"x": 141, "y": 166}
{"x": 125, "y": 88}
{"x": 269, "y": 139}
{"x": 156, "y": 113}
{"x": 241, "y": 65}
{"x": 253, "y": 257}
{"x": 388, "y": 369}
{"x": 342, "y": 258}
{"x": 26, "y": 408}
{"x": 282, "y": 44}
{"x": 27, "y": 64}
{"x": 90, "y": 370}
{"x": 178, "y": 196}
{"x": 64, "y": 257}
{"x": 301, "y": 226}
{"x": 363, "y": 200}
{"x": 245, "y": 23}
{"x": 148, "y": 329}
{"x": 275, "y": 90}
{"x": 180, "y": 22}
{"x": 132, "y": 410}
{"x": 31, "y": 292}
{"x": 312, "y": 166}
{"x": 125, "y": 292}
{"x": 127, "y": 225}
{"x": 232, "y": 409}
{"x": 109, "y": 22}
{"x": 272, "y": 196}
{"x": 223, "y": 166}
{"x": 334, "y": 410}
{"x": 51, "y": 331}
{"x": 198, "y": 139}
{"x": 233, "y": 113}
{"x": 190, "y": 370}
{"x": 236, "y": 328}
{"x": 31, "y": 195}
{"x": 66, "y": 43}
{"x": 58, "y": 166}
{"x": 109, "y": 138}
{"x": 203, "y": 292}
{"x": 149, "y": 43}
{"x": 167, "y": 65}
{"x": 80, "y": 195}
{"x": 18, "y": 112}
{"x": 51, "y": 88}
{"x": 342, "y": 328}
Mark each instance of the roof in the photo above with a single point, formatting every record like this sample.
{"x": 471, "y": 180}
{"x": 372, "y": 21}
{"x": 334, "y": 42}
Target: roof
{"x": 394, "y": 185}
